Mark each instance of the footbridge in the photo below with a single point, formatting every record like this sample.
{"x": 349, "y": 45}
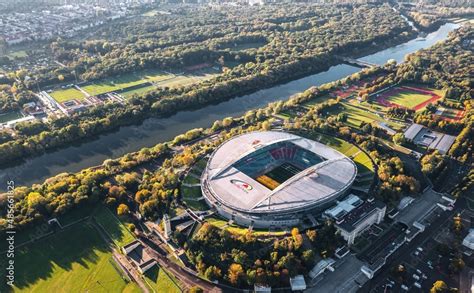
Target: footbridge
{"x": 357, "y": 62}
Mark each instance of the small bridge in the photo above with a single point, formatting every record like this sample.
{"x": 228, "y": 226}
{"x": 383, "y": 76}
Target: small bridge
{"x": 357, "y": 62}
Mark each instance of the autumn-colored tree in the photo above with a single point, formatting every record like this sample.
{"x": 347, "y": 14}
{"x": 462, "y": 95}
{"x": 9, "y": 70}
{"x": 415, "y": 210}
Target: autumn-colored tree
{"x": 235, "y": 274}
{"x": 123, "y": 210}
{"x": 439, "y": 286}
{"x": 312, "y": 234}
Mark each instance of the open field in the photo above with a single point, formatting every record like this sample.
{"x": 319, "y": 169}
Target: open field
{"x": 63, "y": 95}
{"x": 317, "y": 100}
{"x": 114, "y": 227}
{"x": 357, "y": 114}
{"x": 126, "y": 81}
{"x": 147, "y": 80}
{"x": 159, "y": 281}
{"x": 72, "y": 260}
{"x": 415, "y": 98}
{"x": 139, "y": 91}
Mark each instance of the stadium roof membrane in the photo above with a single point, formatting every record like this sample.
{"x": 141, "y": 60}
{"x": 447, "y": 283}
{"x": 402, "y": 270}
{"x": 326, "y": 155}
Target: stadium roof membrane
{"x": 315, "y": 184}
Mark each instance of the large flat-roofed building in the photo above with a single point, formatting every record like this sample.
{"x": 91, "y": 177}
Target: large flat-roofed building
{"x": 420, "y": 135}
{"x": 468, "y": 241}
{"x": 353, "y": 216}
{"x": 272, "y": 178}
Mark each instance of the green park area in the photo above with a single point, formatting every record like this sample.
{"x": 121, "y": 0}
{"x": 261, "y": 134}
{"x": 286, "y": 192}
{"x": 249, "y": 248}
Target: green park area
{"x": 63, "y": 95}
{"x": 73, "y": 259}
{"x": 160, "y": 281}
{"x": 125, "y": 81}
{"x": 115, "y": 229}
{"x": 76, "y": 259}
{"x": 356, "y": 114}
{"x": 146, "y": 80}
{"x": 239, "y": 230}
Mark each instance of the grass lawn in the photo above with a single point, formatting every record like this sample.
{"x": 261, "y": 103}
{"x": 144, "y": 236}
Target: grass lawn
{"x": 64, "y": 95}
{"x": 114, "y": 227}
{"x": 73, "y": 260}
{"x": 357, "y": 114}
{"x": 183, "y": 80}
{"x": 126, "y": 81}
{"x": 139, "y": 91}
{"x": 317, "y": 100}
{"x": 191, "y": 192}
{"x": 191, "y": 180}
{"x": 157, "y": 77}
{"x": 408, "y": 99}
{"x": 235, "y": 229}
{"x": 159, "y": 281}
{"x": 363, "y": 163}
{"x": 201, "y": 164}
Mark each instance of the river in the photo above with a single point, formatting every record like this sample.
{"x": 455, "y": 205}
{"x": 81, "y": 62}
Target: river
{"x": 152, "y": 131}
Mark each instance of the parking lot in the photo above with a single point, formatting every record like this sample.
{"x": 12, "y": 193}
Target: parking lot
{"x": 427, "y": 262}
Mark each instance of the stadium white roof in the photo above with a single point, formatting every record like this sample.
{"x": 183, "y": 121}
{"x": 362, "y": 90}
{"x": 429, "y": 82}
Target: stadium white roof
{"x": 315, "y": 185}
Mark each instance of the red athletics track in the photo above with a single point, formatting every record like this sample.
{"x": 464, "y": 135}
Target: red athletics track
{"x": 382, "y": 99}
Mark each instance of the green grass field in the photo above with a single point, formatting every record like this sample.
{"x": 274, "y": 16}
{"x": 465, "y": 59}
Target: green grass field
{"x": 64, "y": 95}
{"x": 357, "y": 114}
{"x": 235, "y": 229}
{"x": 139, "y": 91}
{"x": 125, "y": 81}
{"x": 363, "y": 161}
{"x": 317, "y": 100}
{"x": 73, "y": 260}
{"x": 116, "y": 230}
{"x": 157, "y": 77}
{"x": 408, "y": 99}
{"x": 159, "y": 281}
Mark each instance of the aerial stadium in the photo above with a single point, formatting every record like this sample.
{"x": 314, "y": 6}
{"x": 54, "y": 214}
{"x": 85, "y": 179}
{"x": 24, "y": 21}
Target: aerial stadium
{"x": 274, "y": 179}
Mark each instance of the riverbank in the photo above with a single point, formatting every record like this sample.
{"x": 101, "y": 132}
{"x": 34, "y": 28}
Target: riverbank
{"x": 155, "y": 130}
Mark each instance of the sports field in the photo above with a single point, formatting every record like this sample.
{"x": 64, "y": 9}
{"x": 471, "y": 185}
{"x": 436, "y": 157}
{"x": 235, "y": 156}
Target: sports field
{"x": 149, "y": 79}
{"x": 357, "y": 114}
{"x": 126, "y": 81}
{"x": 415, "y": 98}
{"x": 64, "y": 95}
{"x": 450, "y": 113}
{"x": 76, "y": 259}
